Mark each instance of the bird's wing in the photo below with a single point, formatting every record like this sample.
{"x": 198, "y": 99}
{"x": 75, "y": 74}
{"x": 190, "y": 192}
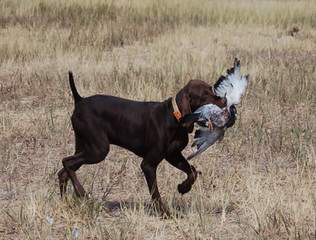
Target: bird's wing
{"x": 203, "y": 147}
{"x": 200, "y": 136}
{"x": 204, "y": 138}
{"x": 232, "y": 86}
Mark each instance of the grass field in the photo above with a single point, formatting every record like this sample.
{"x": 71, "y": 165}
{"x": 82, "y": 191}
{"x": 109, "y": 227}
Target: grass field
{"x": 258, "y": 183}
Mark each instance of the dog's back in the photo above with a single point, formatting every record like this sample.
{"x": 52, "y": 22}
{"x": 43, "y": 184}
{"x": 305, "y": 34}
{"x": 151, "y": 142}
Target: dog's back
{"x": 133, "y": 125}
{"x": 125, "y": 122}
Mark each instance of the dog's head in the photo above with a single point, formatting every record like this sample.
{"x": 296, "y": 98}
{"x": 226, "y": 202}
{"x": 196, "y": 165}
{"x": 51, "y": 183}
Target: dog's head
{"x": 195, "y": 94}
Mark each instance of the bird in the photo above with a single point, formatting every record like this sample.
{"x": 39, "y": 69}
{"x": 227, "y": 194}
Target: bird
{"x": 204, "y": 136}
{"x": 213, "y": 120}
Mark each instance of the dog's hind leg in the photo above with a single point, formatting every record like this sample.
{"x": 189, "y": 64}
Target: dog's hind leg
{"x": 63, "y": 174}
{"x": 95, "y": 150}
{"x": 178, "y": 160}
{"x": 71, "y": 164}
{"x": 63, "y": 179}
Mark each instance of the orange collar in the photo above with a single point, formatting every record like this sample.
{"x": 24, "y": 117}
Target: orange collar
{"x": 176, "y": 112}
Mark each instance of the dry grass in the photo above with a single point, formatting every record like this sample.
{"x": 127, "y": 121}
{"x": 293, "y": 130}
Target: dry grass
{"x": 259, "y": 183}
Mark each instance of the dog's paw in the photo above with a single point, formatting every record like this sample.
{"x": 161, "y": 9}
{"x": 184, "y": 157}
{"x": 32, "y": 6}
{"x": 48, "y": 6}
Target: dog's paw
{"x": 184, "y": 188}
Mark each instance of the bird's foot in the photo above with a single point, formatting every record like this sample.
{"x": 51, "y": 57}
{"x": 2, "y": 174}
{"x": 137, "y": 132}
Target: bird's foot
{"x": 210, "y": 125}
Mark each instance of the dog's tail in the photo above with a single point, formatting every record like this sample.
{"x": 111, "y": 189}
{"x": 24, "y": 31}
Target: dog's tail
{"x": 73, "y": 88}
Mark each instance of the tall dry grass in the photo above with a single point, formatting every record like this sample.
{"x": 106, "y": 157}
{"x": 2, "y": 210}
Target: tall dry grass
{"x": 259, "y": 183}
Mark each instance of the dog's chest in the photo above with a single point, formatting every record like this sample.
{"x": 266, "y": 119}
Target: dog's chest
{"x": 178, "y": 141}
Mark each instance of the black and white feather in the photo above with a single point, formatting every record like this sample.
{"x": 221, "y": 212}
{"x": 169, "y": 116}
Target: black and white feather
{"x": 232, "y": 86}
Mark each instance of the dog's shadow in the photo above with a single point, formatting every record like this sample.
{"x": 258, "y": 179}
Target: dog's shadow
{"x": 177, "y": 208}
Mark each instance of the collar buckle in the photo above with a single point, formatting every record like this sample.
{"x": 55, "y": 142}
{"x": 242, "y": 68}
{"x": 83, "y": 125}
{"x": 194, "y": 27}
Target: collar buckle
{"x": 176, "y": 112}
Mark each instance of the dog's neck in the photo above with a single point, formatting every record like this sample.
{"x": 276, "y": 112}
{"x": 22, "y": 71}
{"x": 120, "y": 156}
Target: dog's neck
{"x": 176, "y": 111}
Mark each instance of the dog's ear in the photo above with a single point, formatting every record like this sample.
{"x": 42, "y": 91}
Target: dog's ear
{"x": 183, "y": 101}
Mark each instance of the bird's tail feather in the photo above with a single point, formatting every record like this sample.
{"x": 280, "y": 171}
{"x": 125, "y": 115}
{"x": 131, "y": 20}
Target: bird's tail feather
{"x": 201, "y": 149}
{"x": 205, "y": 138}
{"x": 200, "y": 136}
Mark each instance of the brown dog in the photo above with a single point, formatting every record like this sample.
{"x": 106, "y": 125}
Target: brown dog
{"x": 151, "y": 130}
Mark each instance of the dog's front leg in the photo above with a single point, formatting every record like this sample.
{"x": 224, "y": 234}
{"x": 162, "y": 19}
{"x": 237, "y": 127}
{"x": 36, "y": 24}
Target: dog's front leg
{"x": 178, "y": 160}
{"x": 149, "y": 167}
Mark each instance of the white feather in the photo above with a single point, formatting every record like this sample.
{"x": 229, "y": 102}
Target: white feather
{"x": 233, "y": 87}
